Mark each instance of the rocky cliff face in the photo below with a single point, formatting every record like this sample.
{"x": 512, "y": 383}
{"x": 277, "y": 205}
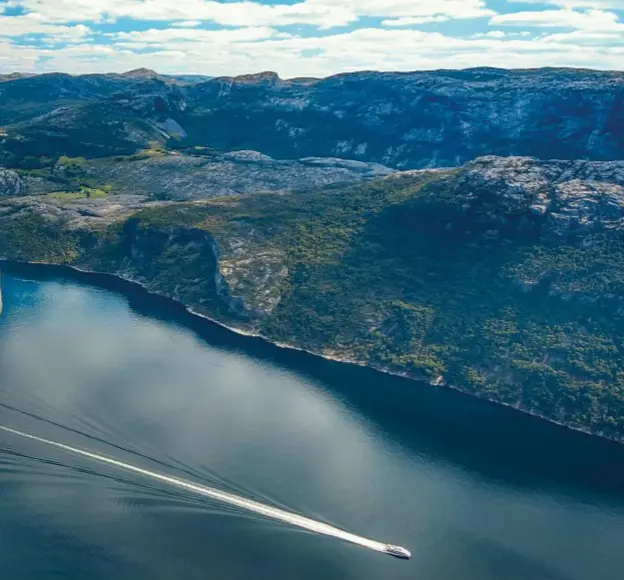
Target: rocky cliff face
{"x": 237, "y": 279}
{"x": 407, "y": 120}
{"x": 491, "y": 202}
{"x": 179, "y": 263}
{"x": 189, "y": 266}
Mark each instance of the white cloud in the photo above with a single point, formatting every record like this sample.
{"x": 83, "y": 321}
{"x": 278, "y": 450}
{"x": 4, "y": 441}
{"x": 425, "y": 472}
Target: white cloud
{"x": 414, "y": 20}
{"x": 564, "y": 18}
{"x": 371, "y": 49}
{"x": 455, "y": 9}
{"x": 13, "y": 26}
{"x": 491, "y": 34}
{"x": 242, "y": 13}
{"x": 172, "y": 37}
{"x": 14, "y": 58}
{"x": 598, "y": 4}
{"x": 187, "y": 23}
{"x": 253, "y": 41}
{"x": 64, "y": 10}
{"x": 586, "y": 38}
{"x": 323, "y": 13}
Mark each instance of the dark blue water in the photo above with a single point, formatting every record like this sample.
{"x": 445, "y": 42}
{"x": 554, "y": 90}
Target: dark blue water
{"x": 477, "y": 492}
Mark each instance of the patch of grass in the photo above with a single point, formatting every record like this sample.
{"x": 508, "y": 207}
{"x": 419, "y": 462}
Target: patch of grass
{"x": 96, "y": 193}
{"x": 154, "y": 152}
{"x": 67, "y": 195}
{"x": 150, "y": 153}
{"x": 83, "y": 193}
{"x": 71, "y": 161}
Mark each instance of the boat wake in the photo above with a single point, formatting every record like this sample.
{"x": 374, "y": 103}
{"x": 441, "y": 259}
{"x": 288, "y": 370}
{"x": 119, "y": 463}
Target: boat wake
{"x": 225, "y": 497}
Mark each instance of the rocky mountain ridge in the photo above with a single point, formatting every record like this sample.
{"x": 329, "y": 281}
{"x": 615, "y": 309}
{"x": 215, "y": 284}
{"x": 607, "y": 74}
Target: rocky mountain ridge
{"x": 193, "y": 175}
{"x": 403, "y": 120}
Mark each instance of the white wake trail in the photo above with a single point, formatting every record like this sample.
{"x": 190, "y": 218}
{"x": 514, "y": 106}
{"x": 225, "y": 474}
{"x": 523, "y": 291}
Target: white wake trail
{"x": 215, "y": 494}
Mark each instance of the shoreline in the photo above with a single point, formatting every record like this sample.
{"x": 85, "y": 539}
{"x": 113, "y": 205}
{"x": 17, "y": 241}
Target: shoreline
{"x": 440, "y": 383}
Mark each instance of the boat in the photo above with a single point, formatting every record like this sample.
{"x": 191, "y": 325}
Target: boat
{"x": 397, "y": 552}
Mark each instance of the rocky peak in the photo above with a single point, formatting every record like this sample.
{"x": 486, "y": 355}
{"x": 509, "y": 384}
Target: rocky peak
{"x": 261, "y": 78}
{"x": 530, "y": 172}
{"x": 520, "y": 196}
{"x": 140, "y": 73}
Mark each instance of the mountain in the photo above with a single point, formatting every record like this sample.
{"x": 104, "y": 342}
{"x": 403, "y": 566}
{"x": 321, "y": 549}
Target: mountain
{"x": 412, "y": 222}
{"x": 415, "y": 120}
{"x": 140, "y": 73}
{"x": 151, "y": 74}
{"x": 14, "y": 76}
{"x": 503, "y": 278}
{"x": 402, "y": 120}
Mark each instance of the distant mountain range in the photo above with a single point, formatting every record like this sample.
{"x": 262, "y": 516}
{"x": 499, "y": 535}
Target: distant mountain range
{"x": 403, "y": 120}
{"x": 136, "y": 73}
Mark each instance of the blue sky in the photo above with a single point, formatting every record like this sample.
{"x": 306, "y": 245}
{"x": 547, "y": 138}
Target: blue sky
{"x": 307, "y": 37}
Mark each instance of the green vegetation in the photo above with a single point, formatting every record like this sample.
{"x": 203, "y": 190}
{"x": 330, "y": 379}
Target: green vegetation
{"x": 67, "y": 178}
{"x": 73, "y": 164}
{"x": 96, "y": 193}
{"x": 83, "y": 193}
{"x": 152, "y": 152}
{"x": 33, "y": 238}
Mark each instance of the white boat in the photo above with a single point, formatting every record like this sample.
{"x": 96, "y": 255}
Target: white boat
{"x": 398, "y": 552}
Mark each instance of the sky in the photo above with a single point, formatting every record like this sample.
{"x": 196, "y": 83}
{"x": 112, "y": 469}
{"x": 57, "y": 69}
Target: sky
{"x": 307, "y": 37}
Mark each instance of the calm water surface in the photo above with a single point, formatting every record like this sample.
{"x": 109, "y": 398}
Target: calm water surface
{"x": 475, "y": 491}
